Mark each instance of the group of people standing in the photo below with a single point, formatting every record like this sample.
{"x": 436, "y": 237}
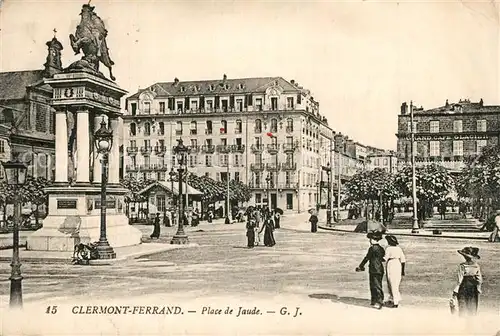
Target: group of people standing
{"x": 465, "y": 295}
{"x": 270, "y": 221}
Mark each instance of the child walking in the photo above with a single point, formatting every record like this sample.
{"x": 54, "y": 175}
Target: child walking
{"x": 375, "y": 257}
{"x": 469, "y": 284}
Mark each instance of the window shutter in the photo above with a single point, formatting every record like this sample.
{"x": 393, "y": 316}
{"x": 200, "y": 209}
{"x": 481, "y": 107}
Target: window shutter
{"x": 246, "y": 101}
{"x": 250, "y": 100}
{"x": 170, "y": 103}
{"x": 186, "y": 107}
{"x": 202, "y": 102}
{"x": 217, "y": 102}
{"x": 231, "y": 102}
{"x": 299, "y": 99}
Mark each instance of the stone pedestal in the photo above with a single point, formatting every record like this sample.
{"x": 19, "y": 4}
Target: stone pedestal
{"x": 74, "y": 217}
{"x": 74, "y": 210}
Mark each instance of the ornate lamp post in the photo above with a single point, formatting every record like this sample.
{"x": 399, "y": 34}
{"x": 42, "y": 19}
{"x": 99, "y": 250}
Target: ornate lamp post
{"x": 415, "y": 227}
{"x": 181, "y": 152}
{"x": 103, "y": 138}
{"x": 329, "y": 195}
{"x": 15, "y": 174}
{"x": 172, "y": 211}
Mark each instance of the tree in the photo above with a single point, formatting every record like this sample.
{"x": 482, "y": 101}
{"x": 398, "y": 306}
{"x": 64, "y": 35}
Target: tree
{"x": 33, "y": 191}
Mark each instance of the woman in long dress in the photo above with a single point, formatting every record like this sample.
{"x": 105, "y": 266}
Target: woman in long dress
{"x": 395, "y": 270}
{"x": 469, "y": 283}
{"x": 268, "y": 228}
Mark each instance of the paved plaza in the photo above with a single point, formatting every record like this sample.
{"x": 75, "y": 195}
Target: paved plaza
{"x": 312, "y": 271}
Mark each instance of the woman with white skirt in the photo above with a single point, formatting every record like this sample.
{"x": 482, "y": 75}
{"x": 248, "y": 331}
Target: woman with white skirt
{"x": 395, "y": 270}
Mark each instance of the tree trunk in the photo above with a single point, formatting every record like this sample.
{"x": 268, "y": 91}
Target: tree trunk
{"x": 36, "y": 214}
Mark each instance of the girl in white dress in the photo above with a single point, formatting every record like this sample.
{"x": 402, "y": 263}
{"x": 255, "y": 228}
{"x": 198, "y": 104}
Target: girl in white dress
{"x": 395, "y": 270}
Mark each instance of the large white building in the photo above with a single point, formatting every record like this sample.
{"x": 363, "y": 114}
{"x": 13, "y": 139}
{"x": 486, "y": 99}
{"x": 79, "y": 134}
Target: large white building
{"x": 256, "y": 130}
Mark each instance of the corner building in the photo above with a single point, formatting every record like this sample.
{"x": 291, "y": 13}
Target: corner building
{"x": 265, "y": 132}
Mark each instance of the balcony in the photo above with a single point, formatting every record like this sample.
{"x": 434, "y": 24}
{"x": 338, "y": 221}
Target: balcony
{"x": 289, "y": 166}
{"x": 290, "y": 147}
{"x": 273, "y": 148}
{"x": 257, "y": 130}
{"x": 257, "y": 148}
{"x": 178, "y": 132}
{"x": 288, "y": 185}
{"x": 130, "y": 168}
{"x": 273, "y": 166}
{"x": 193, "y": 132}
{"x": 132, "y": 150}
{"x": 257, "y": 166}
{"x": 208, "y": 149}
{"x": 160, "y": 150}
{"x": 146, "y": 150}
{"x": 193, "y": 149}
{"x": 239, "y": 148}
{"x": 238, "y": 131}
{"x": 256, "y": 185}
{"x": 223, "y": 149}
{"x": 223, "y": 131}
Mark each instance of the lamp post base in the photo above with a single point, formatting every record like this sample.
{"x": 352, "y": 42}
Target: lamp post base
{"x": 16, "y": 292}
{"x": 105, "y": 251}
{"x": 227, "y": 221}
{"x": 415, "y": 227}
{"x": 179, "y": 239}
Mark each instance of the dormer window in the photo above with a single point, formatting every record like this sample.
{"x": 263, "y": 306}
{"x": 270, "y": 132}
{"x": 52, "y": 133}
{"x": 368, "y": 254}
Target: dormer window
{"x": 183, "y": 89}
{"x": 211, "y": 87}
{"x": 240, "y": 86}
{"x": 226, "y": 87}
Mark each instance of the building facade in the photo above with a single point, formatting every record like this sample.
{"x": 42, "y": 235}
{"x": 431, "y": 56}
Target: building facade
{"x": 265, "y": 132}
{"x": 26, "y": 118}
{"x": 386, "y": 160}
{"x": 447, "y": 135}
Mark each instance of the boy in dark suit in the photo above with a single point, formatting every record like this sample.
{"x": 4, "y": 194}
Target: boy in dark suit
{"x": 375, "y": 257}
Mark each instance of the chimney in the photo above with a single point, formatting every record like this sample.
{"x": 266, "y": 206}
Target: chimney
{"x": 481, "y": 103}
{"x": 224, "y": 78}
{"x": 176, "y": 81}
{"x": 404, "y": 108}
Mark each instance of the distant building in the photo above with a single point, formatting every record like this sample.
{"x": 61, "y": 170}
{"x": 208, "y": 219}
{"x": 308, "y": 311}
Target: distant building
{"x": 447, "y": 135}
{"x": 386, "y": 160}
{"x": 26, "y": 118}
{"x": 226, "y": 122}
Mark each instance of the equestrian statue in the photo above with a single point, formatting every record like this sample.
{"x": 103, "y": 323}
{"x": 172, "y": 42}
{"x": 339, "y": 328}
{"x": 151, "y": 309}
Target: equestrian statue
{"x": 90, "y": 38}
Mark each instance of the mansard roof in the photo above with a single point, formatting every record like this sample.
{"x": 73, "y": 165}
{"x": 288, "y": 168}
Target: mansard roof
{"x": 223, "y": 86}
{"x": 13, "y": 84}
{"x": 463, "y": 106}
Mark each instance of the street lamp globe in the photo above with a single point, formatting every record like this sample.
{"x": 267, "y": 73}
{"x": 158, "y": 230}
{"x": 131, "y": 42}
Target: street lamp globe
{"x": 15, "y": 172}
{"x": 180, "y": 152}
{"x": 103, "y": 138}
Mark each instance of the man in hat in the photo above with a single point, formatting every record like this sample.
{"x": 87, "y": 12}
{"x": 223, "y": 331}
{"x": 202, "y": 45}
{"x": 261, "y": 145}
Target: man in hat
{"x": 495, "y": 235}
{"x": 375, "y": 258}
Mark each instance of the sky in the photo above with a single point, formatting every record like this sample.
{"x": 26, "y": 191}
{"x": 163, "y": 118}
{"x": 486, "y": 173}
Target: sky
{"x": 360, "y": 59}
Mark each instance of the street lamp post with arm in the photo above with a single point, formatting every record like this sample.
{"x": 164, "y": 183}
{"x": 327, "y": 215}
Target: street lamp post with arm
{"x": 103, "y": 141}
{"x": 15, "y": 174}
{"x": 181, "y": 152}
{"x": 274, "y": 140}
{"x": 172, "y": 210}
{"x": 268, "y": 191}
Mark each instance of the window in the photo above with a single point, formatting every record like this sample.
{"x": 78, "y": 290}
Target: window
{"x": 147, "y": 107}
{"x": 223, "y": 129}
{"x": 178, "y": 128}
{"x": 133, "y": 144}
{"x": 376, "y": 162}
{"x": 224, "y": 104}
{"x": 274, "y": 126}
{"x": 237, "y": 160}
{"x": 239, "y": 126}
{"x": 458, "y": 148}
{"x": 162, "y": 107}
{"x": 258, "y": 141}
{"x": 147, "y": 129}
{"x": 289, "y": 125}
{"x": 258, "y": 197}
{"x": 258, "y": 126}
{"x": 258, "y": 158}
{"x": 194, "y": 143}
{"x": 434, "y": 126}
{"x": 386, "y": 162}
{"x": 209, "y": 127}
{"x": 193, "y": 160}
{"x": 258, "y": 104}
{"x": 133, "y": 129}
{"x": 414, "y": 127}
{"x": 194, "y": 128}
{"x": 480, "y": 144}
{"x": 209, "y": 105}
{"x": 208, "y": 160}
{"x": 2, "y": 149}
{"x": 236, "y": 176}
{"x": 180, "y": 107}
{"x": 289, "y": 102}
{"x": 274, "y": 103}
{"x": 133, "y": 107}
{"x": 224, "y": 160}
{"x": 161, "y": 128}
{"x": 481, "y": 125}
{"x": 193, "y": 105}
{"x": 239, "y": 105}
{"x": 434, "y": 148}
{"x": 457, "y": 126}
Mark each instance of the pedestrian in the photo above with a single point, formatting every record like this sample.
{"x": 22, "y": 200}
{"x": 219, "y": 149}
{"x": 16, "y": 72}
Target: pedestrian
{"x": 495, "y": 235}
{"x": 156, "y": 230}
{"x": 375, "y": 258}
{"x": 314, "y": 222}
{"x": 251, "y": 233}
{"x": 469, "y": 284}
{"x": 395, "y": 267}
{"x": 277, "y": 219}
{"x": 268, "y": 228}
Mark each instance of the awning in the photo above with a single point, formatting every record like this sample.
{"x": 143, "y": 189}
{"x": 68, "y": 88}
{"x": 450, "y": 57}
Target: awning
{"x": 167, "y": 186}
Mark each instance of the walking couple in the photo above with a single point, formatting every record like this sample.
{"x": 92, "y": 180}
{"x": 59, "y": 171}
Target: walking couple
{"x": 395, "y": 267}
{"x": 267, "y": 227}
